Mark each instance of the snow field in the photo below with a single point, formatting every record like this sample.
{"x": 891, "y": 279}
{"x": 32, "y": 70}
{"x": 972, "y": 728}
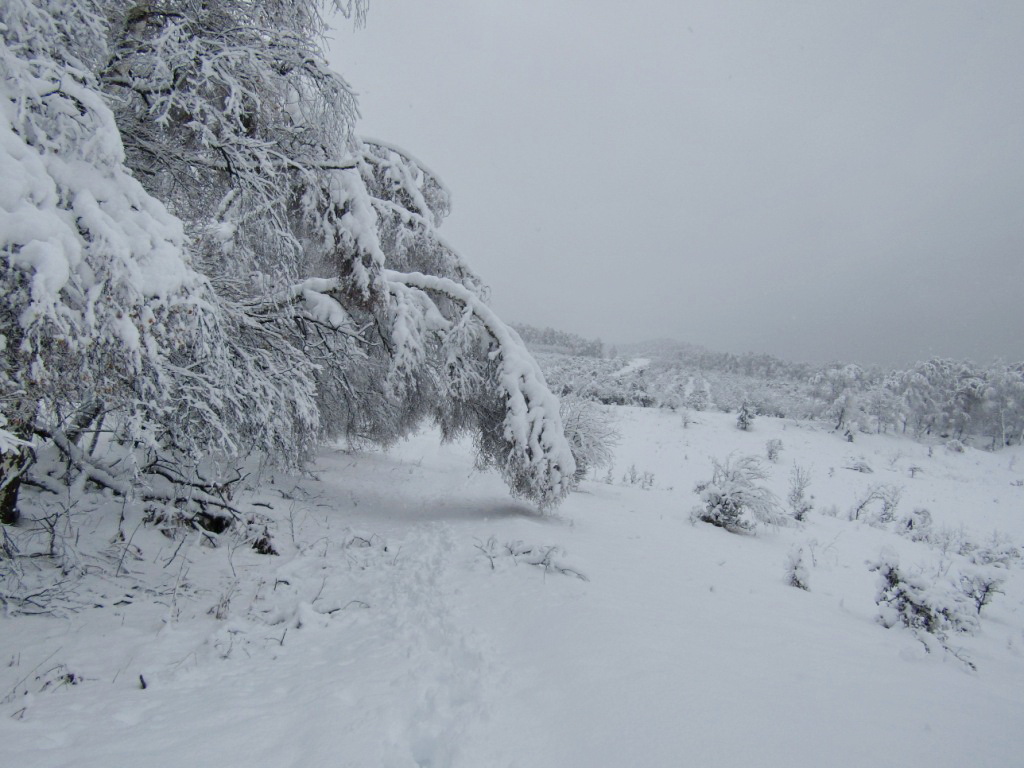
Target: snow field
{"x": 405, "y": 624}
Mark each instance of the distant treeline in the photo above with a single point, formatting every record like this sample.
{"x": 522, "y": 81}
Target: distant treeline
{"x": 559, "y": 341}
{"x": 692, "y": 356}
{"x": 937, "y": 398}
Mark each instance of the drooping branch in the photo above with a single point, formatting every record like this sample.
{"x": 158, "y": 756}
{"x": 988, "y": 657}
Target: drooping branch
{"x": 538, "y": 451}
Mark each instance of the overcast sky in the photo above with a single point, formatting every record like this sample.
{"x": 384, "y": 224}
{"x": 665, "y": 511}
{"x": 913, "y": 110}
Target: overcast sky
{"x": 817, "y": 180}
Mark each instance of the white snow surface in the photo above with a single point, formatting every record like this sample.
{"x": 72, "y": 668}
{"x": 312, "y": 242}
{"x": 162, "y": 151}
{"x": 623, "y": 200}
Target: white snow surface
{"x": 398, "y": 629}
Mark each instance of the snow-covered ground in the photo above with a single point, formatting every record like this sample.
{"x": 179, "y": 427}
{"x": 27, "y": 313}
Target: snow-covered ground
{"x": 403, "y": 623}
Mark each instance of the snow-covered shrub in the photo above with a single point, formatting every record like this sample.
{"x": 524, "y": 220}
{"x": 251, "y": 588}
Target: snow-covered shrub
{"x": 745, "y": 418}
{"x": 697, "y": 399}
{"x": 890, "y": 498}
{"x": 590, "y": 431}
{"x": 955, "y": 446}
{"x": 980, "y": 586}
{"x": 633, "y": 476}
{"x": 733, "y": 500}
{"x": 799, "y": 480}
{"x": 999, "y": 551}
{"x": 772, "y": 449}
{"x": 797, "y": 574}
{"x": 887, "y": 498}
{"x": 830, "y": 511}
{"x": 916, "y": 602}
{"x": 916, "y": 524}
{"x": 957, "y": 541}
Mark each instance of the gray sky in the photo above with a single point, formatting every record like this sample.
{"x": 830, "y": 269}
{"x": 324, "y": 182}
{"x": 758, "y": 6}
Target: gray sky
{"x": 817, "y": 180}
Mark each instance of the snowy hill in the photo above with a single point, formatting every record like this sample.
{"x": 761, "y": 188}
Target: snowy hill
{"x": 417, "y": 617}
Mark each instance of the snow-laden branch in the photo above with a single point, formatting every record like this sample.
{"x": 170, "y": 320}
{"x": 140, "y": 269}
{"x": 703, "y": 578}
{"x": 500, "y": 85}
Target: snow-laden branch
{"x": 314, "y": 300}
{"x": 540, "y": 461}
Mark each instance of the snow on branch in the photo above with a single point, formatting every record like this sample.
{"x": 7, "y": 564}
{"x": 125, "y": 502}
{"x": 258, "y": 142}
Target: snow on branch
{"x": 539, "y": 464}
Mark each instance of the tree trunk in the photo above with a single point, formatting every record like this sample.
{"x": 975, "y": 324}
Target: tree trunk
{"x": 9, "y": 514}
{"x": 12, "y": 465}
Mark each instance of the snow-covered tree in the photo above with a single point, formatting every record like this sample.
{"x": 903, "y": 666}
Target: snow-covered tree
{"x": 202, "y": 260}
{"x": 1003, "y": 404}
{"x": 837, "y": 386}
{"x": 104, "y": 321}
{"x": 745, "y": 418}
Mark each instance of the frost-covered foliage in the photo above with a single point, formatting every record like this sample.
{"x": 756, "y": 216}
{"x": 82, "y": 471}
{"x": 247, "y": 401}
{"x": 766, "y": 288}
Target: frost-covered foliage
{"x": 733, "y": 500}
{"x": 202, "y": 261}
{"x": 591, "y": 433}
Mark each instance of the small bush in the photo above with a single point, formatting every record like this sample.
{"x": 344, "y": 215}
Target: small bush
{"x": 745, "y": 418}
{"x": 799, "y": 480}
{"x": 591, "y": 433}
{"x": 916, "y": 525}
{"x": 772, "y": 449}
{"x": 912, "y": 601}
{"x": 887, "y": 497}
{"x": 999, "y": 551}
{"x": 980, "y": 586}
{"x": 796, "y": 570}
{"x": 830, "y": 511}
{"x": 731, "y": 499}
{"x": 635, "y": 477}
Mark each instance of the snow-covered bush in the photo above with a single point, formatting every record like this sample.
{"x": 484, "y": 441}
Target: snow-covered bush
{"x": 999, "y": 551}
{"x": 697, "y": 399}
{"x": 797, "y": 574}
{"x": 772, "y": 449}
{"x": 799, "y": 504}
{"x": 980, "y": 585}
{"x": 733, "y": 500}
{"x": 634, "y": 476}
{"x": 917, "y": 524}
{"x": 921, "y": 604}
{"x": 885, "y": 497}
{"x": 591, "y": 433}
{"x": 745, "y": 418}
